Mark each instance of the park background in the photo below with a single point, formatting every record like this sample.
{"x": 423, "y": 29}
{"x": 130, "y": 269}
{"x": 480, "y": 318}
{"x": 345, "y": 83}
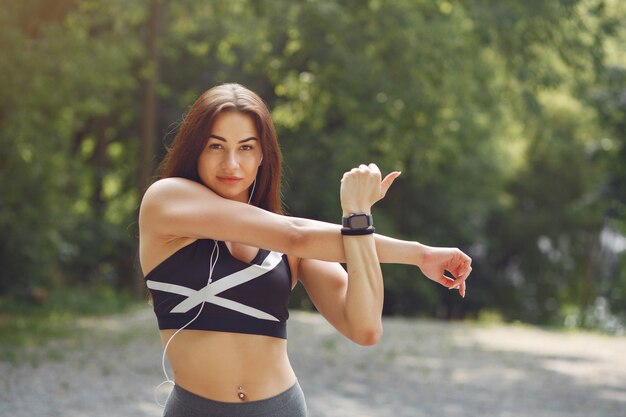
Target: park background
{"x": 506, "y": 118}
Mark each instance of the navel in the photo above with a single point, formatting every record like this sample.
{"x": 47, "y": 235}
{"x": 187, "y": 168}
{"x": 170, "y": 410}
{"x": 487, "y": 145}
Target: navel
{"x": 241, "y": 394}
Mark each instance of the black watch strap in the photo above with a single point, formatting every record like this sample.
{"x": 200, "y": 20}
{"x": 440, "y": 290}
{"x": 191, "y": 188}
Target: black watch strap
{"x": 357, "y": 232}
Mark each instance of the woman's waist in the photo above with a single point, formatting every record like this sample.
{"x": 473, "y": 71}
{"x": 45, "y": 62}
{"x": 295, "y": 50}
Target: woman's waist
{"x": 225, "y": 366}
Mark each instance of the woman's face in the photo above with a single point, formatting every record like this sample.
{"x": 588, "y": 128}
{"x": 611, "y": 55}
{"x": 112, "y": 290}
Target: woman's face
{"x": 229, "y": 162}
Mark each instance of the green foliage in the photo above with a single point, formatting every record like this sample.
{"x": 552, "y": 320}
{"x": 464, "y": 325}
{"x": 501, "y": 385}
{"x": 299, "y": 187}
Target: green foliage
{"x": 507, "y": 119}
{"x": 68, "y": 82}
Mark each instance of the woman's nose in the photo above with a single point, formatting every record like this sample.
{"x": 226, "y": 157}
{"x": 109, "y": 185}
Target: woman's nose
{"x": 230, "y": 160}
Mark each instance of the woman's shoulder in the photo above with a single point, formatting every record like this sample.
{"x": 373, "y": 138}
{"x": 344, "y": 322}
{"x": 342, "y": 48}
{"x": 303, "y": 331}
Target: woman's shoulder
{"x": 166, "y": 193}
{"x": 170, "y": 185}
{"x": 173, "y": 189}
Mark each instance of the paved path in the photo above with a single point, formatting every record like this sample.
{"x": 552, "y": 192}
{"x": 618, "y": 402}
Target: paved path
{"x": 420, "y": 368}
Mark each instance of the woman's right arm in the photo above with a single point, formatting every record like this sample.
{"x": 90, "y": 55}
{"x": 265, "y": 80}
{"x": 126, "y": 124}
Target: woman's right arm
{"x": 175, "y": 207}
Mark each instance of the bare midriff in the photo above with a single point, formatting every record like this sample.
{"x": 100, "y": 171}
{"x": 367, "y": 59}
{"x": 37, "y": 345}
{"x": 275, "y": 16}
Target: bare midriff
{"x": 229, "y": 367}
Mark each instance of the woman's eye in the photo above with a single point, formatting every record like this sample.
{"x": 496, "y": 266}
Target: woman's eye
{"x": 247, "y": 148}
{"x": 215, "y": 146}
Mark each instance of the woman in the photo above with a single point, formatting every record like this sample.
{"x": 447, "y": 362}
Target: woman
{"x": 220, "y": 259}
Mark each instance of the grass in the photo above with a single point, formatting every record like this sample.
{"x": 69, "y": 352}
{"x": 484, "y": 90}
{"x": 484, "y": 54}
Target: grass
{"x": 25, "y": 323}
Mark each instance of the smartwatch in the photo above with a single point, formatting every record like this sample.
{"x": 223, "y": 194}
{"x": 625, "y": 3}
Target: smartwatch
{"x": 357, "y": 224}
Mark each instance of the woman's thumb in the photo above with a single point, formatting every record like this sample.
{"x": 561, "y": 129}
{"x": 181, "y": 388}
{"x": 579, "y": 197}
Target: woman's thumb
{"x": 388, "y": 180}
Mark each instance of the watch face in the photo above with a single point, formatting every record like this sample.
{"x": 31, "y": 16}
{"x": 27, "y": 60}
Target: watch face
{"x": 359, "y": 222}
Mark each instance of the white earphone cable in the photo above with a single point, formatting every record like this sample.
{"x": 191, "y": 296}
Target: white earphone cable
{"x": 215, "y": 253}
{"x": 252, "y": 192}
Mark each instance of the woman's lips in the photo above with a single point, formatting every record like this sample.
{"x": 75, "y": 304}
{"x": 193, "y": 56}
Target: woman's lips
{"x": 229, "y": 180}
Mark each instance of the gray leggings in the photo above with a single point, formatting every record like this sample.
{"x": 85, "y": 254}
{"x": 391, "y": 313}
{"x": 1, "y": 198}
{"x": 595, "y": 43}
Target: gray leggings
{"x": 182, "y": 403}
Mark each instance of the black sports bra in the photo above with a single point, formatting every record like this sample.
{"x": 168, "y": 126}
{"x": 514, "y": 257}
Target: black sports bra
{"x": 242, "y": 297}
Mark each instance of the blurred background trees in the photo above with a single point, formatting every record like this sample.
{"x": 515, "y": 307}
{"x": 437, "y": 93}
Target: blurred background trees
{"x": 506, "y": 118}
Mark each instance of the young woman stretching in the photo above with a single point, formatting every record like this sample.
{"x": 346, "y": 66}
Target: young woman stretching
{"x": 220, "y": 259}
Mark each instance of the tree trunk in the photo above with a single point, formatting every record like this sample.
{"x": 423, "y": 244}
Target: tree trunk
{"x": 149, "y": 117}
{"x": 149, "y": 114}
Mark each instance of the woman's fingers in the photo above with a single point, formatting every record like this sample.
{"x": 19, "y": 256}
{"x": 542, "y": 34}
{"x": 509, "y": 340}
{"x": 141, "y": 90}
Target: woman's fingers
{"x": 460, "y": 267}
{"x": 447, "y": 282}
{"x": 464, "y": 268}
{"x": 453, "y": 284}
{"x": 462, "y": 276}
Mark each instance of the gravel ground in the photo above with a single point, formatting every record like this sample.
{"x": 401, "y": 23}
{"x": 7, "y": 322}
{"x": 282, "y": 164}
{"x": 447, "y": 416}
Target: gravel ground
{"x": 419, "y": 368}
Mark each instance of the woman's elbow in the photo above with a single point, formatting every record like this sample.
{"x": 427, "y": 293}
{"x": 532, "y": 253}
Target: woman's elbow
{"x": 368, "y": 336}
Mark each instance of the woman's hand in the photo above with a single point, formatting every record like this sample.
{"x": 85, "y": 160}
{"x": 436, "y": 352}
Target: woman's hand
{"x": 435, "y": 261}
{"x": 362, "y": 187}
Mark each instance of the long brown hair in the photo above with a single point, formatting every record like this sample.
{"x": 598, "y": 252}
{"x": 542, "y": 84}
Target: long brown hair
{"x": 181, "y": 159}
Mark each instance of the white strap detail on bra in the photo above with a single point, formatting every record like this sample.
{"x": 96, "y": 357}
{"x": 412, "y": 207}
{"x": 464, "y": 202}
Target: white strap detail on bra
{"x": 209, "y": 292}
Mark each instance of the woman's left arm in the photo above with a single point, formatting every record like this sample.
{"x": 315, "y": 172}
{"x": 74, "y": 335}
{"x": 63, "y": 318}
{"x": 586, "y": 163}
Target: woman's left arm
{"x": 352, "y": 301}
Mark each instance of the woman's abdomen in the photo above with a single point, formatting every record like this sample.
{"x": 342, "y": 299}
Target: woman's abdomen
{"x": 229, "y": 367}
